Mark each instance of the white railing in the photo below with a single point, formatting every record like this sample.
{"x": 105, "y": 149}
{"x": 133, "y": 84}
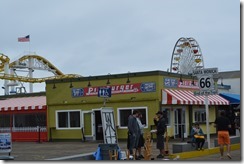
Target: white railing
{"x": 24, "y": 129}
{"x": 5, "y": 129}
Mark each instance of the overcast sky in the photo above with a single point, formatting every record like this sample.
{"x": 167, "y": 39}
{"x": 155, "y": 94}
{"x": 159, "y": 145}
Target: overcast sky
{"x": 97, "y": 37}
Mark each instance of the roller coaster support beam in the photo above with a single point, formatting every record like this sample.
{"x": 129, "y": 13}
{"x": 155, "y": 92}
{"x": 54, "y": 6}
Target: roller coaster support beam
{"x": 31, "y": 70}
{"x": 6, "y": 71}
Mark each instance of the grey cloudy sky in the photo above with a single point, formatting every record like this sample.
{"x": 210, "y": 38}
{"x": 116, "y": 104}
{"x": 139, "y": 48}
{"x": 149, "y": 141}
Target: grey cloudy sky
{"x": 97, "y": 37}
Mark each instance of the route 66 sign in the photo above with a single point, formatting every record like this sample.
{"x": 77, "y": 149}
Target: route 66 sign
{"x": 206, "y": 82}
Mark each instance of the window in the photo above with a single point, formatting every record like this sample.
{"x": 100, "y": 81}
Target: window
{"x": 68, "y": 119}
{"x": 200, "y": 116}
{"x": 5, "y": 120}
{"x": 124, "y": 113}
{"x": 29, "y": 120}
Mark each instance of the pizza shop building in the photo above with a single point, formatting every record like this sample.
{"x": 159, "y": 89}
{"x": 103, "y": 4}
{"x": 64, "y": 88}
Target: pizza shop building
{"x": 74, "y": 108}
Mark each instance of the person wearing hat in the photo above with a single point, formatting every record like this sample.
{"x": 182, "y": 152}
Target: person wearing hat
{"x": 160, "y": 122}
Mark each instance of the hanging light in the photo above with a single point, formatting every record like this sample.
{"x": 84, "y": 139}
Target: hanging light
{"x": 108, "y": 82}
{"x": 222, "y": 84}
{"x": 71, "y": 85}
{"x": 192, "y": 82}
{"x": 181, "y": 78}
{"x": 128, "y": 77}
{"x": 89, "y": 83}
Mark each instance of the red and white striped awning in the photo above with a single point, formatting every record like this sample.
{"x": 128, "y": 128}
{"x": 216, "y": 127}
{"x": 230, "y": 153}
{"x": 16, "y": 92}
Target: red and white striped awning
{"x": 171, "y": 96}
{"x": 23, "y": 104}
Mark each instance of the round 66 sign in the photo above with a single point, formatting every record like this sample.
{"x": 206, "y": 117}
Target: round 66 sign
{"x": 206, "y": 82}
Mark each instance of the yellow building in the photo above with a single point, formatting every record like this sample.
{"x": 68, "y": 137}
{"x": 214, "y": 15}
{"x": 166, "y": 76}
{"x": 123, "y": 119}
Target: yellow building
{"x": 74, "y": 105}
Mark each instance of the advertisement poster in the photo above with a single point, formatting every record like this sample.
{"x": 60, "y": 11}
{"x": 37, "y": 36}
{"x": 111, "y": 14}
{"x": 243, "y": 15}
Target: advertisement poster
{"x": 5, "y": 142}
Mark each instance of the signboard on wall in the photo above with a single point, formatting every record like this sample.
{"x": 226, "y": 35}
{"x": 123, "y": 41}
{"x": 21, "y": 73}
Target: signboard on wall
{"x": 116, "y": 89}
{"x": 175, "y": 83}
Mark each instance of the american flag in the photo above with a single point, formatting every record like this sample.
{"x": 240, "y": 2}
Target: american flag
{"x": 24, "y": 39}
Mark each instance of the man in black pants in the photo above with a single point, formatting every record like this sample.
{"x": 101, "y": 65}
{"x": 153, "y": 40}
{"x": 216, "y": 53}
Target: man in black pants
{"x": 160, "y": 122}
{"x": 133, "y": 132}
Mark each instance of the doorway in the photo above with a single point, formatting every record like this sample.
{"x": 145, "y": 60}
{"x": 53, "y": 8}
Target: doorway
{"x": 98, "y": 125}
{"x": 179, "y": 121}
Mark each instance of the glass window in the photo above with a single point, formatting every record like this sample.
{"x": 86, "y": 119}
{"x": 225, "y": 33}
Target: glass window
{"x": 29, "y": 120}
{"x": 63, "y": 119}
{"x": 74, "y": 119}
{"x": 68, "y": 119}
{"x": 200, "y": 116}
{"x": 124, "y": 113}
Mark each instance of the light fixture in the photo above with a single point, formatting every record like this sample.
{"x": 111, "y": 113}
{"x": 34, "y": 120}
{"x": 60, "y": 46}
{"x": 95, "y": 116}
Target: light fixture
{"x": 108, "y": 82}
{"x": 192, "y": 82}
{"x": 222, "y": 84}
{"x": 54, "y": 86}
{"x": 89, "y": 83}
{"x": 71, "y": 85}
{"x": 128, "y": 77}
{"x": 181, "y": 78}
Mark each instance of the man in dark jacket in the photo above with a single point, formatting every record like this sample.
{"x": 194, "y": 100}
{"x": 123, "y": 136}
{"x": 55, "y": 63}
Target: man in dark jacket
{"x": 160, "y": 122}
{"x": 223, "y": 125}
{"x": 133, "y": 132}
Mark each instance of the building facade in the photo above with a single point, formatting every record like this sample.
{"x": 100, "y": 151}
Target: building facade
{"x": 74, "y": 106}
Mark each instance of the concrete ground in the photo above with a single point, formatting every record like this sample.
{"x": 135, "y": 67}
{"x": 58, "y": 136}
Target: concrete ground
{"x": 34, "y": 151}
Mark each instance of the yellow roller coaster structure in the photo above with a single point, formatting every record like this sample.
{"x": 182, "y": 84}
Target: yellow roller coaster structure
{"x": 31, "y": 63}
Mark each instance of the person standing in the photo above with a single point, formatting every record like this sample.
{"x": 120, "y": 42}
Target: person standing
{"x": 160, "y": 122}
{"x": 141, "y": 138}
{"x": 223, "y": 125}
{"x": 133, "y": 132}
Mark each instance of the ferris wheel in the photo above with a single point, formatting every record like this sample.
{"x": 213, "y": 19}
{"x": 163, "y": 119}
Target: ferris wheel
{"x": 186, "y": 56}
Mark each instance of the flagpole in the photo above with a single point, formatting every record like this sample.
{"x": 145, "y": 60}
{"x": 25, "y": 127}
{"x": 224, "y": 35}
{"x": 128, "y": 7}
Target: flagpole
{"x": 29, "y": 45}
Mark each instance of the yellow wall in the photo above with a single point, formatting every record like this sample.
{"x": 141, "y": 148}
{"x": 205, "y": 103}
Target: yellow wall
{"x": 61, "y": 98}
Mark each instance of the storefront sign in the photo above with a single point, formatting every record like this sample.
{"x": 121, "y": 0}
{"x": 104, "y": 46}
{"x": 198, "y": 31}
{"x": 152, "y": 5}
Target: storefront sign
{"x": 116, "y": 89}
{"x": 170, "y": 82}
{"x": 5, "y": 142}
{"x": 175, "y": 83}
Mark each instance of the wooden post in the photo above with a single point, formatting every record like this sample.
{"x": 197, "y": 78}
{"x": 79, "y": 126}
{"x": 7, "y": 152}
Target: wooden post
{"x": 113, "y": 154}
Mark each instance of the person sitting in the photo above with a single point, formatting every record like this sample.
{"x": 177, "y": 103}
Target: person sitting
{"x": 198, "y": 136}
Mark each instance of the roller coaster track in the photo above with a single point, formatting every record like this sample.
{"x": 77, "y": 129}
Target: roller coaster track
{"x": 40, "y": 63}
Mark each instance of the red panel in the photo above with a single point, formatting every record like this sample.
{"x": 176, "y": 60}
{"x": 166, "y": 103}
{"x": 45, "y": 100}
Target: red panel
{"x": 29, "y": 136}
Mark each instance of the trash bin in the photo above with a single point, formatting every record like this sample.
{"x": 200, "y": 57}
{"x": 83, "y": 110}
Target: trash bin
{"x": 104, "y": 150}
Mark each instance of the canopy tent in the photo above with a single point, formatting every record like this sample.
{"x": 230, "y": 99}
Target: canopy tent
{"x": 171, "y": 96}
{"x": 21, "y": 104}
{"x": 232, "y": 98}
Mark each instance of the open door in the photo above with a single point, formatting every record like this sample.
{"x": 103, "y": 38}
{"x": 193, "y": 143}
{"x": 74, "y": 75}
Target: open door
{"x": 109, "y": 128}
{"x": 87, "y": 124}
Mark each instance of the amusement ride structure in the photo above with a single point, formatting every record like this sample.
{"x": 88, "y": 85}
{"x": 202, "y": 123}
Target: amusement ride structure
{"x": 186, "y": 57}
{"x": 13, "y": 82}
